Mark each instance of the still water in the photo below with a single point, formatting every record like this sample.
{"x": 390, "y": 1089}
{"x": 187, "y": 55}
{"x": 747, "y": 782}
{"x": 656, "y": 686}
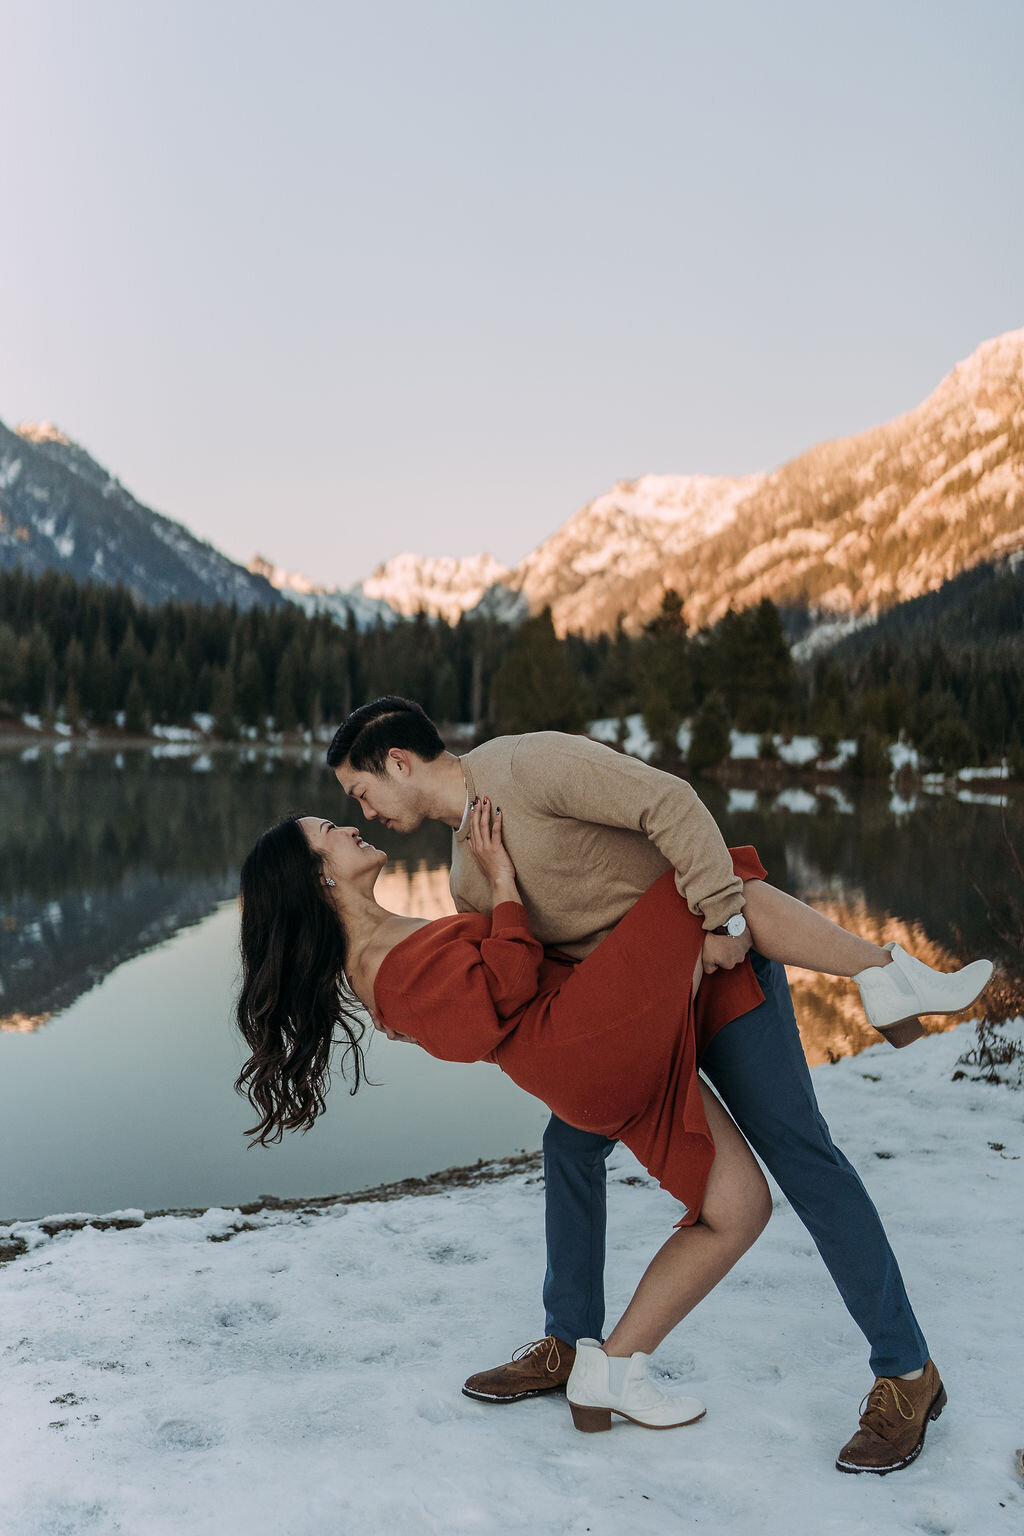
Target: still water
{"x": 118, "y": 962}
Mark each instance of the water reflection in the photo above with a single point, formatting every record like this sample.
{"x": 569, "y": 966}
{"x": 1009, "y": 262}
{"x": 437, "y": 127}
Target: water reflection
{"x": 828, "y": 1008}
{"x": 416, "y": 891}
{"x": 105, "y": 857}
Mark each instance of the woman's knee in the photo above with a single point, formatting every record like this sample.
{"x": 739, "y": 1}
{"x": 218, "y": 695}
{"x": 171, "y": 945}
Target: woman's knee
{"x": 760, "y": 1210}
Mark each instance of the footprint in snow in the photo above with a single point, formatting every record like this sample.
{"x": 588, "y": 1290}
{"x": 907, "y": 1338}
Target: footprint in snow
{"x": 186, "y": 1435}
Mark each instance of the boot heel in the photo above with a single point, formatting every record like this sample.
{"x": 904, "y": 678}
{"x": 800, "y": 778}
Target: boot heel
{"x": 903, "y": 1033}
{"x": 939, "y": 1403}
{"x": 590, "y": 1420}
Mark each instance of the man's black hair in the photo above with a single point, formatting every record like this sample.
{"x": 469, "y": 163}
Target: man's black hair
{"x": 367, "y": 736}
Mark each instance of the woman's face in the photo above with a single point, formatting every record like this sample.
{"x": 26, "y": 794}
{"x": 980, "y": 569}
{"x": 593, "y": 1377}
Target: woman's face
{"x": 343, "y": 852}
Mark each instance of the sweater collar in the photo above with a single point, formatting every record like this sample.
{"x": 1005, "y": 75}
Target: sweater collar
{"x": 462, "y": 832}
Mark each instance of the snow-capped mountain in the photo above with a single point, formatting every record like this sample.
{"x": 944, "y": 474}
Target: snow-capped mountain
{"x": 343, "y": 605}
{"x": 622, "y": 540}
{"x": 444, "y": 588}
{"x": 61, "y": 510}
{"x": 846, "y": 530}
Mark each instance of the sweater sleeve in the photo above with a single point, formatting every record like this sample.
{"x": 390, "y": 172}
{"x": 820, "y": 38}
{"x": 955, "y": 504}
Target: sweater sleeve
{"x": 573, "y": 776}
{"x": 457, "y": 998}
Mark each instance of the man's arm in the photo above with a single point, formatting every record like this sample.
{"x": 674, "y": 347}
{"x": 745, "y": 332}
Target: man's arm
{"x": 573, "y": 776}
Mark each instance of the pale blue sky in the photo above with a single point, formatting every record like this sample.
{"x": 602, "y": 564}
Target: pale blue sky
{"x": 332, "y": 281}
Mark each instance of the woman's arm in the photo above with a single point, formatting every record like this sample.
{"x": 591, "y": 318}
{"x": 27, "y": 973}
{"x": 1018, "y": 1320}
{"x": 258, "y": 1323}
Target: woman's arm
{"x": 510, "y": 956}
{"x": 455, "y": 997}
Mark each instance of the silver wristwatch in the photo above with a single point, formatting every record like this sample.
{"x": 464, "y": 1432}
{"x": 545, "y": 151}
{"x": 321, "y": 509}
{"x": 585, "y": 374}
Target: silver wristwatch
{"x": 734, "y": 928}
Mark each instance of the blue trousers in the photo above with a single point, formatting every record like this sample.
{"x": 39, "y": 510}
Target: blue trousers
{"x": 757, "y": 1066}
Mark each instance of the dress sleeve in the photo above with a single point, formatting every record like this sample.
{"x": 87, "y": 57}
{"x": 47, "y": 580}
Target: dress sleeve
{"x": 457, "y": 997}
{"x": 510, "y": 959}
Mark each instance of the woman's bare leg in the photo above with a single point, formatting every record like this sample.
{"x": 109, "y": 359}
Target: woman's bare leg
{"x": 785, "y": 929}
{"x": 736, "y": 1209}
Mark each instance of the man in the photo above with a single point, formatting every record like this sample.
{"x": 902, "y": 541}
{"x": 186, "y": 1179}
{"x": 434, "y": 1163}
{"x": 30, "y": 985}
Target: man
{"x": 589, "y": 830}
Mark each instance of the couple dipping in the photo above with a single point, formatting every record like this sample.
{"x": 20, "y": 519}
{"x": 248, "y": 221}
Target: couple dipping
{"x": 614, "y": 958}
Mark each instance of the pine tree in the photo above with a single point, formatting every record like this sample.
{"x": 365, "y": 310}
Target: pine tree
{"x": 9, "y": 678}
{"x": 249, "y": 695}
{"x": 830, "y": 709}
{"x": 662, "y": 721}
{"x": 135, "y": 721}
{"x": 37, "y": 672}
{"x": 710, "y": 740}
{"x": 99, "y": 682}
{"x": 871, "y": 759}
{"x": 225, "y": 715}
{"x": 534, "y": 689}
{"x": 289, "y": 690}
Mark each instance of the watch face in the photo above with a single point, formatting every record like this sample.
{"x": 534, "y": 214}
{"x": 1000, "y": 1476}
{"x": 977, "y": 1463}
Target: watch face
{"x": 736, "y": 925}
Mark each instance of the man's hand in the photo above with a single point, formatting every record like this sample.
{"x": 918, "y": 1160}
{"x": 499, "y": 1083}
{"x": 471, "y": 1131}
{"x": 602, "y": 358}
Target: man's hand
{"x": 722, "y": 953}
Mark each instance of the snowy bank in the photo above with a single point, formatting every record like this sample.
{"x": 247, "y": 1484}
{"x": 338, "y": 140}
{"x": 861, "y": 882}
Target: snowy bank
{"x": 301, "y": 1375}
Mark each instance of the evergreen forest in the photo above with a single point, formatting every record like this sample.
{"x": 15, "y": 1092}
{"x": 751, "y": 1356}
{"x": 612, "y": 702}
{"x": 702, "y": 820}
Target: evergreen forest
{"x": 948, "y": 678}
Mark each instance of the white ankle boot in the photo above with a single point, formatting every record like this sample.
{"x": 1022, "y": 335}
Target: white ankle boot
{"x": 895, "y": 994}
{"x": 593, "y": 1402}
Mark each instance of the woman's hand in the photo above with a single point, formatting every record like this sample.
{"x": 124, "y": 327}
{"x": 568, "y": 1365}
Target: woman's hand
{"x": 490, "y": 853}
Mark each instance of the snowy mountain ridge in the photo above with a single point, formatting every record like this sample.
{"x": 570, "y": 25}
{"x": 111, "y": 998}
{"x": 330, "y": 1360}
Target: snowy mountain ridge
{"x": 344, "y": 606}
{"x": 444, "y": 587}
{"x": 846, "y": 529}
{"x": 61, "y": 510}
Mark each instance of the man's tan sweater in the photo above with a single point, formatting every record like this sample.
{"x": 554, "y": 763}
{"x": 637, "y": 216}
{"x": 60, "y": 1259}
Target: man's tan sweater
{"x": 589, "y": 830}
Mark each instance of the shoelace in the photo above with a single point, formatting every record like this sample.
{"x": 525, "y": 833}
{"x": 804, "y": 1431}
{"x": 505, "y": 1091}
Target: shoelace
{"x": 554, "y": 1358}
{"x": 879, "y": 1407}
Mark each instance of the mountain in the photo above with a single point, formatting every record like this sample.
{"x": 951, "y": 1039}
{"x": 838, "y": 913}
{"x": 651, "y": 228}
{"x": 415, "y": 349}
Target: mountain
{"x": 849, "y": 528}
{"x": 444, "y": 588}
{"x": 344, "y": 606}
{"x": 982, "y": 608}
{"x": 60, "y": 510}
{"x": 614, "y": 556}
{"x": 844, "y": 532}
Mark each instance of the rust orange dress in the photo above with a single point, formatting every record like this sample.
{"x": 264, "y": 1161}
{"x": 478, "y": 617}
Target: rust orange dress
{"x": 610, "y": 1043}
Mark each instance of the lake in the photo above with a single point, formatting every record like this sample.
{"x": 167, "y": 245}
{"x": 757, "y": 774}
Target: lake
{"x": 118, "y": 963}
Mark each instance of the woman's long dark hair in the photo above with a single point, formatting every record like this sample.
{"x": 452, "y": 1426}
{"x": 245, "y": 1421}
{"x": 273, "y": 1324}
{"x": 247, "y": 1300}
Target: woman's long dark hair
{"x": 294, "y": 996}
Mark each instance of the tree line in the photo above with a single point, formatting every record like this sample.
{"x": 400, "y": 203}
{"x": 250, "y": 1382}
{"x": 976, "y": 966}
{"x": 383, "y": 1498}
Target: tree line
{"x": 93, "y": 655}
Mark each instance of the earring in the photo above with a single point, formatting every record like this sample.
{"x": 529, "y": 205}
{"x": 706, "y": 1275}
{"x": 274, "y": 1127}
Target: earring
{"x": 328, "y": 880}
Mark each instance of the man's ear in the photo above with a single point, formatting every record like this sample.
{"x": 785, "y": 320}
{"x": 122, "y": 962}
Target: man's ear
{"x": 401, "y": 761}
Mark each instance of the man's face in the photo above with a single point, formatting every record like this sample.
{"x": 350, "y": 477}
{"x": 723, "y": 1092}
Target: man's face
{"x": 392, "y": 799}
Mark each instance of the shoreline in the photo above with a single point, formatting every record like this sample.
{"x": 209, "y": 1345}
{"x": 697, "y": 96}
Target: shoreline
{"x": 465, "y": 1176}
{"x": 159, "y": 1379}
{"x": 739, "y": 772}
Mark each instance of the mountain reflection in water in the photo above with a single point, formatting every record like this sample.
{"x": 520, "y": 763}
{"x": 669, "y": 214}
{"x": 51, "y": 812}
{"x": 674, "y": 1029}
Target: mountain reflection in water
{"x": 104, "y": 856}
{"x": 116, "y": 1072}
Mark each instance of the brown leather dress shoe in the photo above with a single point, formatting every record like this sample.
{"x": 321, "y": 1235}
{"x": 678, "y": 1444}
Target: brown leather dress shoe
{"x": 537, "y": 1368}
{"x": 893, "y": 1422}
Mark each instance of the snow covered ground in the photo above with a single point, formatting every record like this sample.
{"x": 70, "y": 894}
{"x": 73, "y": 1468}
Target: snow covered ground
{"x": 303, "y": 1376}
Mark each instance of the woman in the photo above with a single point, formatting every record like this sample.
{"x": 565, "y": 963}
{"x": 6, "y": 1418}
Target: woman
{"x": 611, "y": 1044}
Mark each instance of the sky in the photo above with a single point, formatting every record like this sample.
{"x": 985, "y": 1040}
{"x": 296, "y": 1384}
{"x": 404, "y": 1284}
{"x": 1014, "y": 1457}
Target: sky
{"x": 332, "y": 281}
